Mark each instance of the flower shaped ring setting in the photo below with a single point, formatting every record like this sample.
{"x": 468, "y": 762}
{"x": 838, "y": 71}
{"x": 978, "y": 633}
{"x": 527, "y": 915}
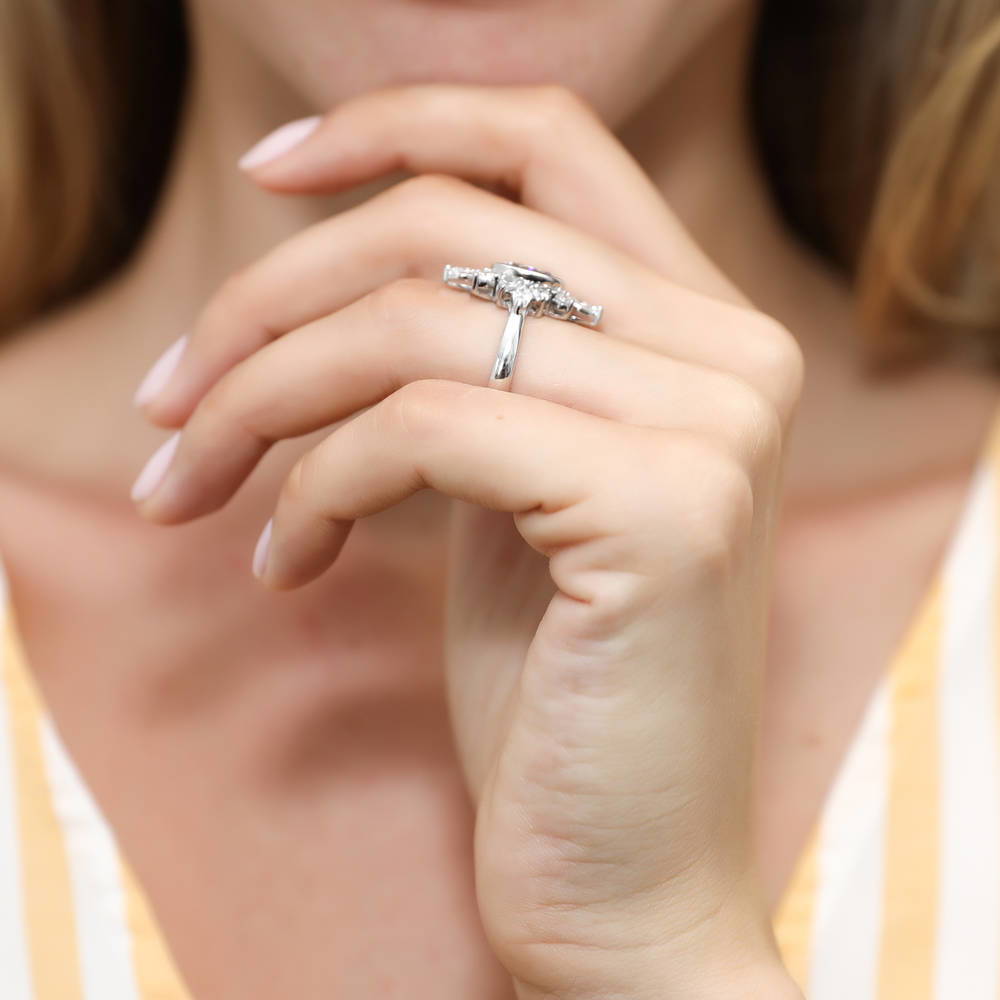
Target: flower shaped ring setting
{"x": 523, "y": 291}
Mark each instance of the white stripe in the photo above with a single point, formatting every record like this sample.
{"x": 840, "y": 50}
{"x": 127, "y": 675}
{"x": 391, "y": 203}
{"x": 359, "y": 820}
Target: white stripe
{"x": 969, "y": 907}
{"x": 13, "y": 939}
{"x": 850, "y": 865}
{"x": 98, "y": 895}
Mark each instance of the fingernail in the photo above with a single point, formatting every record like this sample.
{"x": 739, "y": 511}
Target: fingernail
{"x": 260, "y": 550}
{"x": 278, "y": 142}
{"x": 157, "y": 377}
{"x": 153, "y": 471}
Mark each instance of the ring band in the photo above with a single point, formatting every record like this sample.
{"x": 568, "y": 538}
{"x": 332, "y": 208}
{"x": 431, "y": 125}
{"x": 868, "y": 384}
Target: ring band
{"x": 523, "y": 291}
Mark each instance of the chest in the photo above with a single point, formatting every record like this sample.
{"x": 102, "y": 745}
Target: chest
{"x": 847, "y": 595}
{"x": 279, "y": 767}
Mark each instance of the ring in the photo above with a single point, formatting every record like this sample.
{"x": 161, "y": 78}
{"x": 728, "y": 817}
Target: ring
{"x": 523, "y": 291}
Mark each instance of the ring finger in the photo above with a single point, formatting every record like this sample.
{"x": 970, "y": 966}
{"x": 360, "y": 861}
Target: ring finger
{"x": 411, "y": 330}
{"x": 417, "y": 227}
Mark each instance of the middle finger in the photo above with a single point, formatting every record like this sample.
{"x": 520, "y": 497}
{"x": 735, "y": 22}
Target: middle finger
{"x": 413, "y": 230}
{"x": 412, "y": 329}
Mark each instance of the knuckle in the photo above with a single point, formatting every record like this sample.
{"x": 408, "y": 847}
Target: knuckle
{"x": 220, "y": 404}
{"x": 232, "y": 301}
{"x": 689, "y": 521}
{"x": 779, "y": 361}
{"x": 613, "y": 597}
{"x": 734, "y": 505}
{"x": 753, "y": 422}
{"x": 415, "y": 410}
{"x": 295, "y": 488}
{"x": 557, "y": 104}
{"x": 683, "y": 529}
{"x": 397, "y": 304}
{"x": 305, "y": 494}
{"x": 307, "y": 489}
{"x": 418, "y": 193}
{"x": 417, "y": 212}
{"x": 403, "y": 321}
{"x": 224, "y": 409}
{"x": 711, "y": 500}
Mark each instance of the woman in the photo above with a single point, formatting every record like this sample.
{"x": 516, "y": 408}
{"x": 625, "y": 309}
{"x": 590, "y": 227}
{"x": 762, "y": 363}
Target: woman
{"x": 572, "y": 712}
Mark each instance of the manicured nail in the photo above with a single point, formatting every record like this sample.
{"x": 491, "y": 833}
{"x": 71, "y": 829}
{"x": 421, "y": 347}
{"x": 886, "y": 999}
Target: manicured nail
{"x": 260, "y": 550}
{"x": 157, "y": 377}
{"x": 278, "y": 142}
{"x": 153, "y": 471}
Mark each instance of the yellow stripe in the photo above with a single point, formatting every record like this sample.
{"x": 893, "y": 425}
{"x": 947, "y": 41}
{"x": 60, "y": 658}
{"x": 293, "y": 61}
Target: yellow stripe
{"x": 910, "y": 898}
{"x": 155, "y": 970}
{"x": 992, "y": 448}
{"x": 793, "y": 924}
{"x": 49, "y": 915}
{"x": 48, "y": 900}
{"x": 914, "y": 783}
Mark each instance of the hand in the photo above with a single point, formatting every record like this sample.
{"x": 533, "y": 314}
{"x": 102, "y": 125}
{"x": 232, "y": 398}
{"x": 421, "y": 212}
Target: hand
{"x": 611, "y": 535}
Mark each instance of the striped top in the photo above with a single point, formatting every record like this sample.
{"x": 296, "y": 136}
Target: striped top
{"x": 74, "y": 922}
{"x": 896, "y": 895}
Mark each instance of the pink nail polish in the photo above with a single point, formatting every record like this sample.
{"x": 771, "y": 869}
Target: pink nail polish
{"x": 278, "y": 142}
{"x": 261, "y": 549}
{"x": 153, "y": 471}
{"x": 157, "y": 377}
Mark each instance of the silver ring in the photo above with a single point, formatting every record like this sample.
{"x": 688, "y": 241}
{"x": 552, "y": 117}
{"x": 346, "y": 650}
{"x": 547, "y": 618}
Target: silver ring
{"x": 523, "y": 291}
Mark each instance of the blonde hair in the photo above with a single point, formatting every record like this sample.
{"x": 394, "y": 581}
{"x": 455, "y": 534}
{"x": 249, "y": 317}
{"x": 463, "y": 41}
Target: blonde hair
{"x": 878, "y": 123}
{"x": 89, "y": 95}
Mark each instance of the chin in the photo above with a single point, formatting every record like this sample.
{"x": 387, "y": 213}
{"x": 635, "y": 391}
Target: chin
{"x": 615, "y": 55}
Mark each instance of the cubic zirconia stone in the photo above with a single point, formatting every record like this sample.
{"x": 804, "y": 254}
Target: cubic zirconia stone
{"x": 523, "y": 294}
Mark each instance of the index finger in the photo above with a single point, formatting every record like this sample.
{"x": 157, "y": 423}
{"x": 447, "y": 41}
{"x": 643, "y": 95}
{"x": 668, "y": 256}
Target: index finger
{"x": 542, "y": 143}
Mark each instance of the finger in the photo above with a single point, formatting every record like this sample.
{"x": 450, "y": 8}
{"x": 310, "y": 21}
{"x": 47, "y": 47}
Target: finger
{"x": 542, "y": 462}
{"x": 542, "y": 143}
{"x": 413, "y": 330}
{"x": 416, "y": 228}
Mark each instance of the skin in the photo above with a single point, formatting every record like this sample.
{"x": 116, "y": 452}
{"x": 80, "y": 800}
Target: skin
{"x": 305, "y": 734}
